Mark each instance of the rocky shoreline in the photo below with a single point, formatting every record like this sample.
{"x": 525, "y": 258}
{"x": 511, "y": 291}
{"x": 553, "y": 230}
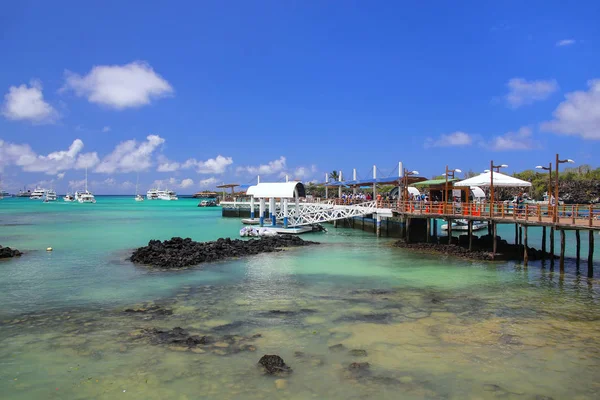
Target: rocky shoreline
{"x": 181, "y": 253}
{"x": 481, "y": 249}
{"x": 7, "y": 252}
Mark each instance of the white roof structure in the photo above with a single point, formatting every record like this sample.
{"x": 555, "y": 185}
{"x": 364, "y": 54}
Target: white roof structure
{"x": 500, "y": 180}
{"x": 478, "y": 193}
{"x": 284, "y": 190}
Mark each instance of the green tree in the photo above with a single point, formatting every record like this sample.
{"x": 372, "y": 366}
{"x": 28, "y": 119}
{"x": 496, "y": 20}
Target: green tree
{"x": 334, "y": 176}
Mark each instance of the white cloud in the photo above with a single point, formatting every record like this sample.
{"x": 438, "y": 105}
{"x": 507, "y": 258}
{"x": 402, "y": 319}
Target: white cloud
{"x": 106, "y": 129}
{"x": 207, "y": 182}
{"x": 119, "y": 86}
{"x": 579, "y": 114}
{"x": 519, "y": 140}
{"x": 186, "y": 183}
{"x": 565, "y": 42}
{"x": 60, "y": 176}
{"x": 87, "y": 160}
{"x": 109, "y": 182}
{"x": 23, "y": 103}
{"x": 127, "y": 185}
{"x": 522, "y": 92}
{"x": 23, "y": 156}
{"x": 130, "y": 156}
{"x": 301, "y": 173}
{"x": 272, "y": 167}
{"x": 77, "y": 184}
{"x": 216, "y": 165}
{"x": 449, "y": 140}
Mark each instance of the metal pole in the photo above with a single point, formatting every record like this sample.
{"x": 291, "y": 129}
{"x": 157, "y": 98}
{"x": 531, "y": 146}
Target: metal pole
{"x": 492, "y": 189}
{"x": 252, "y": 208}
{"x": 272, "y": 211}
{"x": 556, "y": 193}
{"x": 285, "y": 213}
{"x": 262, "y": 211}
{"x": 374, "y": 183}
{"x": 446, "y": 187}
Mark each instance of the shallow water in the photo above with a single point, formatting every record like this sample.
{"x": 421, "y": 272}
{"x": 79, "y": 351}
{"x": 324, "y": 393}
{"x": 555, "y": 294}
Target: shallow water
{"x": 431, "y": 327}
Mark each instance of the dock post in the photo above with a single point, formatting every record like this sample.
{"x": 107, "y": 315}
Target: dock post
{"x": 543, "y": 242}
{"x": 272, "y": 211}
{"x": 552, "y": 246}
{"x": 490, "y": 229}
{"x": 591, "y": 254}
{"x": 525, "y": 255}
{"x": 449, "y": 231}
{"x": 470, "y": 231}
{"x": 516, "y": 234}
{"x": 378, "y": 225}
{"x": 578, "y": 244}
{"x": 428, "y": 235}
{"x": 285, "y": 213}
{"x": 435, "y": 234}
{"x": 494, "y": 243}
{"x": 252, "y": 208}
{"x": 520, "y": 235}
{"x": 562, "y": 250}
{"x": 262, "y": 211}
{"x": 407, "y": 229}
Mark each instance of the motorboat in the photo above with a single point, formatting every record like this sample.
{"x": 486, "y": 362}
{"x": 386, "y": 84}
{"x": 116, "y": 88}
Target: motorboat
{"x": 38, "y": 194}
{"x": 85, "y": 197}
{"x": 152, "y": 194}
{"x": 167, "y": 195}
{"x": 69, "y": 197}
{"x": 50, "y": 196}
{"x": 208, "y": 203}
{"x": 24, "y": 193}
{"x": 463, "y": 225}
{"x": 139, "y": 197}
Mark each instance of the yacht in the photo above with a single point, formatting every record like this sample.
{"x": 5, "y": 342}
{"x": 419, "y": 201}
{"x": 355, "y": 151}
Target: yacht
{"x": 24, "y": 193}
{"x": 38, "y": 194}
{"x": 85, "y": 196}
{"x": 50, "y": 196}
{"x": 69, "y": 197}
{"x": 138, "y": 197}
{"x": 167, "y": 195}
{"x": 152, "y": 194}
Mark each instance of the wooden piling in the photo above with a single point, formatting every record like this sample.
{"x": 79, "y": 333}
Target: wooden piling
{"x": 408, "y": 230}
{"x": 520, "y": 235}
{"x": 591, "y": 254}
{"x": 428, "y": 230}
{"x": 578, "y": 245}
{"x": 494, "y": 244}
{"x": 435, "y": 234}
{"x": 516, "y": 234}
{"x": 562, "y": 250}
{"x": 525, "y": 255}
{"x": 449, "y": 231}
{"x": 490, "y": 227}
{"x": 470, "y": 223}
{"x": 551, "y": 246}
{"x": 543, "y": 242}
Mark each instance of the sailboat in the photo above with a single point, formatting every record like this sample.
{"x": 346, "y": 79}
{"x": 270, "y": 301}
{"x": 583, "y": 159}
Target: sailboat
{"x": 138, "y": 197}
{"x": 87, "y": 196}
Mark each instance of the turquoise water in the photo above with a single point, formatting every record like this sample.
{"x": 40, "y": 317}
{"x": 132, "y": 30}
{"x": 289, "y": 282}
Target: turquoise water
{"x": 432, "y": 327}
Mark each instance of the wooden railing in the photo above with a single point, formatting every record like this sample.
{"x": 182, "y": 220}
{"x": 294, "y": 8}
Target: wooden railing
{"x": 575, "y": 214}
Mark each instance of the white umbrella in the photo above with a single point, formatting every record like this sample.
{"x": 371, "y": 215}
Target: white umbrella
{"x": 500, "y": 180}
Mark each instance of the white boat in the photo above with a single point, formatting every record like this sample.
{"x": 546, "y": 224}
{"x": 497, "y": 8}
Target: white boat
{"x": 208, "y": 203}
{"x": 152, "y": 194}
{"x": 138, "y": 197}
{"x": 50, "y": 196}
{"x": 38, "y": 194}
{"x": 463, "y": 225}
{"x": 85, "y": 196}
{"x": 69, "y": 197}
{"x": 167, "y": 195}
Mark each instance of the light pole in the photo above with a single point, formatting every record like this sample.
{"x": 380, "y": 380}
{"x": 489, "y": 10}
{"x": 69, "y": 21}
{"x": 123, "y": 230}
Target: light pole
{"x": 492, "y": 168}
{"x": 449, "y": 172}
{"x": 558, "y": 161}
{"x": 549, "y": 169}
{"x": 406, "y": 174}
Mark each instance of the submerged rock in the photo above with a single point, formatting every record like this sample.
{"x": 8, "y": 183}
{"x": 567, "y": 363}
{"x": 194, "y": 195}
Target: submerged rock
{"x": 274, "y": 365}
{"x": 7, "y": 252}
{"x": 358, "y": 353}
{"x": 337, "y": 348}
{"x": 179, "y": 253}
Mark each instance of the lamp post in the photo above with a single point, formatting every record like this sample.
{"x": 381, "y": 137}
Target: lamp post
{"x": 492, "y": 168}
{"x": 449, "y": 172}
{"x": 406, "y": 174}
{"x": 558, "y": 161}
{"x": 549, "y": 169}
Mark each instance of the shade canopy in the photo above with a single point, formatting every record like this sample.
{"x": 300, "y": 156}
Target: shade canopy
{"x": 500, "y": 180}
{"x": 284, "y": 190}
{"x": 434, "y": 182}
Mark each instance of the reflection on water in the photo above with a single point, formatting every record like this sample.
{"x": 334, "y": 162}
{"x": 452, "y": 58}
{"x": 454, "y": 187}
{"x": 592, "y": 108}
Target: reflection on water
{"x": 77, "y": 324}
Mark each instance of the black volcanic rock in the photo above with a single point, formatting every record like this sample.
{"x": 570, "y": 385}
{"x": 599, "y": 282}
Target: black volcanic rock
{"x": 7, "y": 252}
{"x": 179, "y": 253}
{"x": 274, "y": 365}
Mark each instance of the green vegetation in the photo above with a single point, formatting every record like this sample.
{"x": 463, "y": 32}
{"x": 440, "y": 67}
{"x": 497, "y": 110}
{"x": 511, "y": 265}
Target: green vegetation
{"x": 576, "y": 185}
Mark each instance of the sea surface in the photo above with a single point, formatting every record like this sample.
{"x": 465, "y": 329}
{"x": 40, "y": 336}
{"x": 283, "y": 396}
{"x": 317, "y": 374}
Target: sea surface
{"x": 81, "y": 322}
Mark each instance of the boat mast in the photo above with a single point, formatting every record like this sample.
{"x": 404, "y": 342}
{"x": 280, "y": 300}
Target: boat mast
{"x": 137, "y": 181}
{"x": 86, "y": 180}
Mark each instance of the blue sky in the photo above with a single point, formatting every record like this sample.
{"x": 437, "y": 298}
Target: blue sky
{"x": 196, "y": 93}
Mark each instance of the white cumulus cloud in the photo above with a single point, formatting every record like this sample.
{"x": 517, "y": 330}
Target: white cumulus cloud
{"x": 185, "y": 183}
{"x": 130, "y": 156}
{"x": 519, "y": 140}
{"x": 565, "y": 42}
{"x": 272, "y": 167}
{"x": 106, "y": 129}
{"x": 23, "y": 156}
{"x": 522, "y": 92}
{"x": 207, "y": 182}
{"x": 579, "y": 114}
{"x": 216, "y": 165}
{"x": 119, "y": 86}
{"x": 27, "y": 103}
{"x": 449, "y": 140}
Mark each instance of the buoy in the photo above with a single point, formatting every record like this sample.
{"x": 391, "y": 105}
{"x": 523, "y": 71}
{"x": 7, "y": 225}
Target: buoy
{"x": 49, "y": 249}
